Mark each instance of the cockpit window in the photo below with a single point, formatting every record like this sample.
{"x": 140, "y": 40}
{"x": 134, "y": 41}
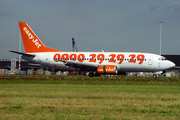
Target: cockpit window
{"x": 162, "y": 58}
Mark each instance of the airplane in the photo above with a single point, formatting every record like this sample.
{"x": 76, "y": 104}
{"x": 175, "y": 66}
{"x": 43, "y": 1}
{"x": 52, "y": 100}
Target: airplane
{"x": 74, "y": 47}
{"x": 96, "y": 63}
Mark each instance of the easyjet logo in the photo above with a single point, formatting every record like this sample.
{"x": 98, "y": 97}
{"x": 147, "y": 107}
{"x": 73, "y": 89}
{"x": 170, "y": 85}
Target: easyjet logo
{"x": 31, "y": 37}
{"x": 100, "y": 70}
{"x": 109, "y": 69}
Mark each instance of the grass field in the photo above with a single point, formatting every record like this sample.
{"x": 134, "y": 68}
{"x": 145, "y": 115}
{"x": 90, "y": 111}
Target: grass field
{"x": 79, "y": 97}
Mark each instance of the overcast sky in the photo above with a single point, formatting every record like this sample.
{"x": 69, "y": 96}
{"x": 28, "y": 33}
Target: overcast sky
{"x": 111, "y": 25}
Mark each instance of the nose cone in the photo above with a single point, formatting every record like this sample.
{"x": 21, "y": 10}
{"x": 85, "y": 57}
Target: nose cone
{"x": 167, "y": 65}
{"x": 171, "y": 64}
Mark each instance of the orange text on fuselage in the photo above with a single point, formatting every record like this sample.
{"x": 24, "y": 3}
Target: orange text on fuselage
{"x": 112, "y": 58}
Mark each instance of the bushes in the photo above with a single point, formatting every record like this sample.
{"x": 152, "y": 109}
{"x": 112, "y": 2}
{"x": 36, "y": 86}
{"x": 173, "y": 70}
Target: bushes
{"x": 86, "y": 78}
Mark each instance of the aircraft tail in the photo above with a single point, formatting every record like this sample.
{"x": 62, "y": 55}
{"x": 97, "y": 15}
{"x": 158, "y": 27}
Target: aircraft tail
{"x": 74, "y": 47}
{"x": 32, "y": 44}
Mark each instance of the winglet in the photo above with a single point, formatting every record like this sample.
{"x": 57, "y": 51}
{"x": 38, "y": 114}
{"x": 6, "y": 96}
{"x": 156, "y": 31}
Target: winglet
{"x": 32, "y": 44}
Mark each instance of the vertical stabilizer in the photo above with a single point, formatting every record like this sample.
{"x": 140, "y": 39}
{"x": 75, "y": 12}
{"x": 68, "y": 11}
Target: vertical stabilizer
{"x": 32, "y": 43}
{"x": 74, "y": 47}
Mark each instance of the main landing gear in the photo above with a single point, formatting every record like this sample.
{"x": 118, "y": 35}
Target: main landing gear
{"x": 91, "y": 74}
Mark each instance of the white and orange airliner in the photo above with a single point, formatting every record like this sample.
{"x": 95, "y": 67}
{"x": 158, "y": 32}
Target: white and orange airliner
{"x": 96, "y": 63}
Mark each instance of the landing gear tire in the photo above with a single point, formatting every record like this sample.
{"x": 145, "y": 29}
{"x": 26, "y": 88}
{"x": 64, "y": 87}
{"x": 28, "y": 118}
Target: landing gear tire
{"x": 97, "y": 75}
{"x": 154, "y": 76}
{"x": 91, "y": 74}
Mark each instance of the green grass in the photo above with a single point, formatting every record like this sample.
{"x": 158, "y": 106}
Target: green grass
{"x": 80, "y": 97}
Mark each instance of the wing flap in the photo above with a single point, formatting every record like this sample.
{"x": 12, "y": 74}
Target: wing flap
{"x": 82, "y": 66}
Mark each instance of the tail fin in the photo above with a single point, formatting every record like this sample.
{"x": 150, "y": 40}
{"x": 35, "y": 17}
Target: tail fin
{"x": 74, "y": 46}
{"x": 31, "y": 42}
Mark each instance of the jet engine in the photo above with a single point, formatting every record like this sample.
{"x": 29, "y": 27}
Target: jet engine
{"x": 107, "y": 69}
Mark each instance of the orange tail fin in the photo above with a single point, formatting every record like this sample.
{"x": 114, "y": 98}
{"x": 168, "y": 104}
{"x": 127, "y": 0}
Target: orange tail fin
{"x": 32, "y": 43}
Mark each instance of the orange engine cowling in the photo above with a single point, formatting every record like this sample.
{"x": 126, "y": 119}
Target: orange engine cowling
{"x": 107, "y": 69}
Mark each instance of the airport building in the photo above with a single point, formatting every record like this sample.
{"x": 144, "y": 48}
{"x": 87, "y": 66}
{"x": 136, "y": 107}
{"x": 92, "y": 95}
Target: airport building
{"x": 11, "y": 66}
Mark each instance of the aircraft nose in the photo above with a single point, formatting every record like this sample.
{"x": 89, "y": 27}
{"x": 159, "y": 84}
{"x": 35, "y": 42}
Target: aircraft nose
{"x": 171, "y": 64}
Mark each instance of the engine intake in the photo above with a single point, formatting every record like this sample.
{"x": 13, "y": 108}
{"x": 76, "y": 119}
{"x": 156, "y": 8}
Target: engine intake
{"x": 107, "y": 69}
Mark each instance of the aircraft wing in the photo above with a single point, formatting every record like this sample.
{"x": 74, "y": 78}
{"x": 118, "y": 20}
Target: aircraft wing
{"x": 24, "y": 54}
{"x": 176, "y": 67}
{"x": 79, "y": 65}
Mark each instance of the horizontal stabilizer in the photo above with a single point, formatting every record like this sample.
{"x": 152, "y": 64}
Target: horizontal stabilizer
{"x": 24, "y": 54}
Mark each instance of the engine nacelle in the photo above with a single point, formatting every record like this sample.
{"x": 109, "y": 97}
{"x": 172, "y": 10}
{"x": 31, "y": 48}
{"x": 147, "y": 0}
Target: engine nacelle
{"x": 107, "y": 69}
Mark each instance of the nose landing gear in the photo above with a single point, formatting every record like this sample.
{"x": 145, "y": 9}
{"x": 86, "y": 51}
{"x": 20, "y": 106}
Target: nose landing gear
{"x": 91, "y": 74}
{"x": 154, "y": 76}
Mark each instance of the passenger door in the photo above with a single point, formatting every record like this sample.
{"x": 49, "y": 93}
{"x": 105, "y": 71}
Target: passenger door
{"x": 150, "y": 60}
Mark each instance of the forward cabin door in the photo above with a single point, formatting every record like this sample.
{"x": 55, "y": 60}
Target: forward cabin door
{"x": 150, "y": 60}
